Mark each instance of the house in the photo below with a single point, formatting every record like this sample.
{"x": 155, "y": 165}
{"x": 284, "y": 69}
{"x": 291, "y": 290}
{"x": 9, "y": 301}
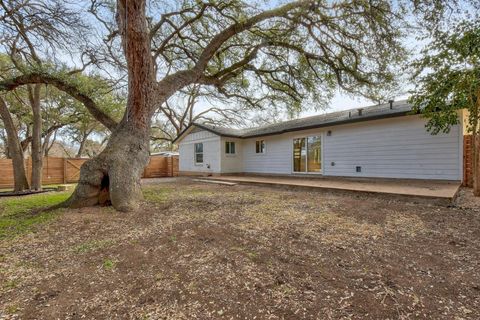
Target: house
{"x": 385, "y": 141}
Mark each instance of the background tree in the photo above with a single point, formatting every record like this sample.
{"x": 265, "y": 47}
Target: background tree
{"x": 193, "y": 104}
{"x": 448, "y": 80}
{"x": 31, "y": 31}
{"x": 87, "y": 133}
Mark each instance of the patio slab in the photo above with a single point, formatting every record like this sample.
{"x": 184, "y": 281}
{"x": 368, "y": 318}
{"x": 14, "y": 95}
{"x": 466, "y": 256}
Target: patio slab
{"x": 440, "y": 191}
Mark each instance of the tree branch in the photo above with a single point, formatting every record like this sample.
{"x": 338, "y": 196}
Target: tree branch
{"x": 62, "y": 85}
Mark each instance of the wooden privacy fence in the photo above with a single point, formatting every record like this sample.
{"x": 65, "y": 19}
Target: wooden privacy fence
{"x": 468, "y": 161}
{"x": 67, "y": 170}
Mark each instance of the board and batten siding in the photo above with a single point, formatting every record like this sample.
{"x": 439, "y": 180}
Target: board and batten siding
{"x": 211, "y": 152}
{"x": 388, "y": 148}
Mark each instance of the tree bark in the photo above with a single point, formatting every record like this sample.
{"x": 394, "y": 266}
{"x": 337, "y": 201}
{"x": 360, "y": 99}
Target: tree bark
{"x": 37, "y": 152}
{"x": 48, "y": 142}
{"x": 15, "y": 149}
{"x": 81, "y": 148}
{"x": 114, "y": 175}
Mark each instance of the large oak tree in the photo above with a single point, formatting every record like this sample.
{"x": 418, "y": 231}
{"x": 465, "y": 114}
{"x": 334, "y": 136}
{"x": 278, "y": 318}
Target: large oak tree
{"x": 293, "y": 54}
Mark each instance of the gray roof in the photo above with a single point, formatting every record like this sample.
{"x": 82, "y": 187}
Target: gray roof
{"x": 399, "y": 108}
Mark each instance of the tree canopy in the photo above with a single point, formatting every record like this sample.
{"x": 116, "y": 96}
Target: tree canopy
{"x": 448, "y": 77}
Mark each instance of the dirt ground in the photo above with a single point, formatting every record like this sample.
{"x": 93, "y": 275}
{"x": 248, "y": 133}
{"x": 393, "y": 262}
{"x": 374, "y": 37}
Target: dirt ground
{"x": 204, "y": 251}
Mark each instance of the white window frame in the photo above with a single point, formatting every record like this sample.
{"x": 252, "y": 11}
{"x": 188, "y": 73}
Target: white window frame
{"x": 228, "y": 148}
{"x": 322, "y": 166}
{"x": 262, "y": 143}
{"x": 195, "y": 153}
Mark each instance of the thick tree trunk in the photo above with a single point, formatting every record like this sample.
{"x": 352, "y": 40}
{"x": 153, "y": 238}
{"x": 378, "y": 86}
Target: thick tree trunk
{"x": 37, "y": 152}
{"x": 114, "y": 175}
{"x": 15, "y": 149}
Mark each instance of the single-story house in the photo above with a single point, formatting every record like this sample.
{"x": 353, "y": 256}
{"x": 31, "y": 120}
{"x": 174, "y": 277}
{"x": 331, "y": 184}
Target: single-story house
{"x": 386, "y": 141}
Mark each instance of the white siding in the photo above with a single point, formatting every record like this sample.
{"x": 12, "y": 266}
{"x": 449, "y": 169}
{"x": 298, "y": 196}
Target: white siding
{"x": 211, "y": 152}
{"x": 232, "y": 163}
{"x": 390, "y": 148}
{"x": 393, "y": 148}
{"x": 276, "y": 159}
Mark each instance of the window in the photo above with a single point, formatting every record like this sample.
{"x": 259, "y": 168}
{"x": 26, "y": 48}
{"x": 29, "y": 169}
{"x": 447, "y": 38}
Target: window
{"x": 229, "y": 147}
{"x": 198, "y": 152}
{"x": 260, "y": 146}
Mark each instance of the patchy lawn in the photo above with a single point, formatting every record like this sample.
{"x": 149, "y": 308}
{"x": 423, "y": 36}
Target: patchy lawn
{"x": 198, "y": 251}
{"x": 18, "y": 214}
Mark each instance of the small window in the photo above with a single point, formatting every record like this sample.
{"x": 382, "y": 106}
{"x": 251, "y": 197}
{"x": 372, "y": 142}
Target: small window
{"x": 260, "y": 146}
{"x": 198, "y": 152}
{"x": 230, "y": 147}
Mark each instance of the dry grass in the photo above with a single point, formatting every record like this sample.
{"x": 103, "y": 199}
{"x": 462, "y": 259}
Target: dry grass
{"x": 198, "y": 251}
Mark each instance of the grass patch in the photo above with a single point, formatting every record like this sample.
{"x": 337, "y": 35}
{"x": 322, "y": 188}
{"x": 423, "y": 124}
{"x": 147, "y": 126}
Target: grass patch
{"x": 93, "y": 245}
{"x": 11, "y": 309}
{"x": 16, "y": 216}
{"x": 157, "y": 195}
{"x": 109, "y": 264}
{"x": 11, "y": 284}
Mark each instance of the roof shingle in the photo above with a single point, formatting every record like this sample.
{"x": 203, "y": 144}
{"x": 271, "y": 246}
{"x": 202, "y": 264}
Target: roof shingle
{"x": 399, "y": 108}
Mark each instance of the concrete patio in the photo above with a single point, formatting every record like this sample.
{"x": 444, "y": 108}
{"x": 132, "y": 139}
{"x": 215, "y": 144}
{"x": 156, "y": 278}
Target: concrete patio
{"x": 443, "y": 192}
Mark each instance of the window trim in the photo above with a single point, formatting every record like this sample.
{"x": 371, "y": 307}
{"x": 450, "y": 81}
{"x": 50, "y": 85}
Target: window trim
{"x": 195, "y": 153}
{"x": 262, "y": 143}
{"x": 322, "y": 166}
{"x": 228, "y": 148}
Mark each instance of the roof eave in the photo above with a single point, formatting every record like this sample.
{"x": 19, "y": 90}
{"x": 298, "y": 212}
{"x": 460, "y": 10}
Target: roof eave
{"x": 321, "y": 125}
{"x": 180, "y": 136}
{"x": 334, "y": 123}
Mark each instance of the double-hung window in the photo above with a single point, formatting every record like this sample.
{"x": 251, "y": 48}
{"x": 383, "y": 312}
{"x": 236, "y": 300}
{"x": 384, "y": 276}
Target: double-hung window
{"x": 198, "y": 153}
{"x": 230, "y": 147}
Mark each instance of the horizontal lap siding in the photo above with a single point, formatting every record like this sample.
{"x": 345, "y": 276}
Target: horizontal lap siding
{"x": 211, "y": 152}
{"x": 276, "y": 159}
{"x": 393, "y": 148}
{"x": 232, "y": 163}
{"x": 390, "y": 148}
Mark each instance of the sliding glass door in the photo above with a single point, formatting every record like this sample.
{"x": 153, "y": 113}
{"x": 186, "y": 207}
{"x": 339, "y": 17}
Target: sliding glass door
{"x": 307, "y": 154}
{"x": 299, "y": 155}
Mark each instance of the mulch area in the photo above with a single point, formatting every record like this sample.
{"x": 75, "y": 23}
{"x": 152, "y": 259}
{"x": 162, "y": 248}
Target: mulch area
{"x": 203, "y": 251}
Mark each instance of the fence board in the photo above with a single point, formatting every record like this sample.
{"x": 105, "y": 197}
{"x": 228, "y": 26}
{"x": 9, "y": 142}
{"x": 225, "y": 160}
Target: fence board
{"x": 468, "y": 160}
{"x": 67, "y": 170}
